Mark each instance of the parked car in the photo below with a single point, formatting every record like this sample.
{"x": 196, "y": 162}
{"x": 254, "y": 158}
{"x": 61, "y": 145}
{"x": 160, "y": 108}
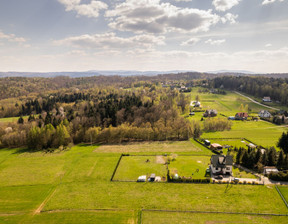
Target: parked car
{"x": 219, "y": 177}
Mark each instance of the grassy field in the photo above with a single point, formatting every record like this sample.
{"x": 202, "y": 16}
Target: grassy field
{"x": 284, "y": 191}
{"x": 131, "y": 167}
{"x": 12, "y": 119}
{"x": 186, "y": 147}
{"x": 74, "y": 187}
{"x": 149, "y": 217}
{"x": 188, "y": 165}
{"x": 261, "y": 132}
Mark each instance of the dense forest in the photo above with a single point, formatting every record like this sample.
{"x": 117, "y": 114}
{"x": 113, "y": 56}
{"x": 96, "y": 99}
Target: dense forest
{"x": 100, "y": 115}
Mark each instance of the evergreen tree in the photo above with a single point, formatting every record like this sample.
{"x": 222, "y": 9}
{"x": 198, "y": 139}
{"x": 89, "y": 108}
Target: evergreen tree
{"x": 272, "y": 160}
{"x": 283, "y": 142}
{"x": 20, "y": 120}
{"x": 245, "y": 159}
{"x": 280, "y": 161}
{"x": 264, "y": 159}
{"x": 239, "y": 155}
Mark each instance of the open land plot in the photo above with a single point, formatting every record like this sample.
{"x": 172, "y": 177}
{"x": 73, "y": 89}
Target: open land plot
{"x": 190, "y": 147}
{"x": 259, "y": 132}
{"x": 76, "y": 217}
{"x": 131, "y": 167}
{"x": 202, "y": 197}
{"x": 22, "y": 199}
{"x": 190, "y": 166}
{"x": 151, "y": 217}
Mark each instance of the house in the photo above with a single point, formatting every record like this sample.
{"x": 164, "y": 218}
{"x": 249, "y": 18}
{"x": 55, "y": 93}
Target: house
{"x": 197, "y": 104}
{"x": 216, "y": 146}
{"x": 270, "y": 169}
{"x": 241, "y": 116}
{"x": 210, "y": 113}
{"x": 264, "y": 114}
{"x": 266, "y": 99}
{"x": 221, "y": 164}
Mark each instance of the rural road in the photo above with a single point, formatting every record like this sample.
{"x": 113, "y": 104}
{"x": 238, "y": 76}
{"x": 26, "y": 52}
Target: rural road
{"x": 273, "y": 108}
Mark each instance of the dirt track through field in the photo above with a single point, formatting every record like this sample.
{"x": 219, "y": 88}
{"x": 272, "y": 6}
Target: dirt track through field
{"x": 38, "y": 210}
{"x": 254, "y": 101}
{"x": 91, "y": 170}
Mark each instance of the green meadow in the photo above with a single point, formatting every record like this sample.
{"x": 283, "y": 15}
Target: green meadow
{"x": 74, "y": 187}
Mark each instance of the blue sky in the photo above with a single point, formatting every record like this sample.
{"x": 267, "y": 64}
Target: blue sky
{"x": 201, "y": 35}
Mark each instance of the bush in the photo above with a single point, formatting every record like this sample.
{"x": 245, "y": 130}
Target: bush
{"x": 280, "y": 176}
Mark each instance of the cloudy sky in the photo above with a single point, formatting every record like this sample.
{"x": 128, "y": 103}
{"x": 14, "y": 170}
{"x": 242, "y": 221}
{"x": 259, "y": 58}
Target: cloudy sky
{"x": 200, "y": 35}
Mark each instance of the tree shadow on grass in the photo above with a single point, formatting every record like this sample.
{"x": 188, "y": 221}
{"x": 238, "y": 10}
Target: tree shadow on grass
{"x": 26, "y": 150}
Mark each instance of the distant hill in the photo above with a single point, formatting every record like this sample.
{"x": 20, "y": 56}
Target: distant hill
{"x": 130, "y": 73}
{"x": 89, "y": 73}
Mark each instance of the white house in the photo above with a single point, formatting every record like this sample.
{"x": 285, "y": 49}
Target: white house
{"x": 264, "y": 114}
{"x": 270, "y": 169}
{"x": 221, "y": 164}
{"x": 266, "y": 99}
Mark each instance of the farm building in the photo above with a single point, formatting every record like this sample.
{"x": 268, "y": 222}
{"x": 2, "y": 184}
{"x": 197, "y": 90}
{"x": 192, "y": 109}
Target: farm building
{"x": 270, "y": 169}
{"x": 210, "y": 113}
{"x": 266, "y": 99}
{"x": 216, "y": 146}
{"x": 241, "y": 116}
{"x": 264, "y": 114}
{"x": 221, "y": 164}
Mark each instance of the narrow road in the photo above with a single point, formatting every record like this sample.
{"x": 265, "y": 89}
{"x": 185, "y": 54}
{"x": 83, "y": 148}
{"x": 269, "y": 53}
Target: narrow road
{"x": 263, "y": 105}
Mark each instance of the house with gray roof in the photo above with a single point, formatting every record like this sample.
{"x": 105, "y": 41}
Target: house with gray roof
{"x": 221, "y": 164}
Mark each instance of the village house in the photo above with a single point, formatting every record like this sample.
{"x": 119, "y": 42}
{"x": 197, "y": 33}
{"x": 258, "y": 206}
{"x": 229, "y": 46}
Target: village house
{"x": 267, "y": 99}
{"x": 270, "y": 169}
{"x": 210, "y": 113}
{"x": 264, "y": 114}
{"x": 197, "y": 104}
{"x": 221, "y": 164}
{"x": 241, "y": 116}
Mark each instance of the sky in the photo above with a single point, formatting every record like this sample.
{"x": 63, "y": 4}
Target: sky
{"x": 144, "y": 35}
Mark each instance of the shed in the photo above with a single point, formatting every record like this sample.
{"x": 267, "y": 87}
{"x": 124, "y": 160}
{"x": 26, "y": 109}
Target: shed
{"x": 141, "y": 178}
{"x": 216, "y": 146}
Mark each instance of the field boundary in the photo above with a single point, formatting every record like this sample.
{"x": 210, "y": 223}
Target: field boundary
{"x": 212, "y": 212}
{"x": 114, "y": 172}
{"x": 281, "y": 195}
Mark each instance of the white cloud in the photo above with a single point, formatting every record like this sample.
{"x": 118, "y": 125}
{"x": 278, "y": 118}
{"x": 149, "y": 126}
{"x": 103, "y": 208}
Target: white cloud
{"x": 215, "y": 42}
{"x": 111, "y": 41}
{"x": 190, "y": 42}
{"x": 268, "y": 45}
{"x": 224, "y": 5}
{"x": 229, "y": 17}
{"x": 266, "y": 2}
{"x": 11, "y": 38}
{"x": 183, "y": 0}
{"x": 152, "y": 16}
{"x": 90, "y": 10}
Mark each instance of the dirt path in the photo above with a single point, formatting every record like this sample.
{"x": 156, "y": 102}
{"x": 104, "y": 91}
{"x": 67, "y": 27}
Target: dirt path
{"x": 160, "y": 160}
{"x": 254, "y": 101}
{"x": 38, "y": 210}
{"x": 91, "y": 170}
